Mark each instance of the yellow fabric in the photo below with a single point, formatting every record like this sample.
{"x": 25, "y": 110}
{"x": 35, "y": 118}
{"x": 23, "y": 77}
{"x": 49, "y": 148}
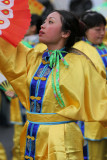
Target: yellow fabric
{"x": 93, "y": 130}
{"x": 92, "y": 53}
{"x": 40, "y": 47}
{"x": 46, "y": 117}
{"x": 56, "y": 142}
{"x": 15, "y": 110}
{"x": 2, "y": 153}
{"x": 95, "y": 150}
{"x": 79, "y": 90}
{"x": 16, "y": 141}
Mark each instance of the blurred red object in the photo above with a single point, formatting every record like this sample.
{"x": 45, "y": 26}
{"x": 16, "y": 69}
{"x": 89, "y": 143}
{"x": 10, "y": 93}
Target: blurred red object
{"x": 15, "y": 19}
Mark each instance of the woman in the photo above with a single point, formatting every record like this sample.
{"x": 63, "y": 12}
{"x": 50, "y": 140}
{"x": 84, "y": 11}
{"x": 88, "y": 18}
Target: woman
{"x": 93, "y": 47}
{"x": 47, "y": 82}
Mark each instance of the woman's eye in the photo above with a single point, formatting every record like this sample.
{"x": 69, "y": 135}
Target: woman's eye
{"x": 50, "y": 21}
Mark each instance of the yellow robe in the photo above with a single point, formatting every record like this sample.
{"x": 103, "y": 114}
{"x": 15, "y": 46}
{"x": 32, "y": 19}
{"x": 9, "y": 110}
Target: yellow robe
{"x": 81, "y": 87}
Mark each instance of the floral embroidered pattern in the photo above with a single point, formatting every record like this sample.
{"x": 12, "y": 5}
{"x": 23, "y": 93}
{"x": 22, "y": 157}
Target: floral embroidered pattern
{"x": 5, "y": 13}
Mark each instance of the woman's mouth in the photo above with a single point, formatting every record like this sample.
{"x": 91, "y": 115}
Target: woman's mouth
{"x": 41, "y": 33}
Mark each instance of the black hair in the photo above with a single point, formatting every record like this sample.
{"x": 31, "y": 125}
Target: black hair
{"x": 78, "y": 7}
{"x": 37, "y": 21}
{"x": 93, "y": 19}
{"x": 71, "y": 23}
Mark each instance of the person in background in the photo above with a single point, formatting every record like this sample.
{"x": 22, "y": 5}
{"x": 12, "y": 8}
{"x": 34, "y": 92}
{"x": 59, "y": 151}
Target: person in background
{"x": 10, "y": 118}
{"x": 31, "y": 36}
{"x": 2, "y": 150}
{"x": 47, "y": 83}
{"x": 93, "y": 47}
{"x": 18, "y": 118}
{"x": 6, "y": 128}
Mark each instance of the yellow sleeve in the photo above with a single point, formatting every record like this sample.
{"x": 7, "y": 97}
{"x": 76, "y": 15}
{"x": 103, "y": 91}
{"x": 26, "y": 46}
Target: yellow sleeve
{"x": 13, "y": 64}
{"x": 84, "y": 92}
{"x": 40, "y": 47}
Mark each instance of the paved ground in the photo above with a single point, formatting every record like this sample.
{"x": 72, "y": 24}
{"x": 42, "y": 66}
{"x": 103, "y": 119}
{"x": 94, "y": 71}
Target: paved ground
{"x": 6, "y": 138}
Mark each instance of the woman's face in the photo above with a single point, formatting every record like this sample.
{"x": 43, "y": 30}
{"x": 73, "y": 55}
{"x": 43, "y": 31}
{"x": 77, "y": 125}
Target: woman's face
{"x": 51, "y": 33}
{"x": 96, "y": 34}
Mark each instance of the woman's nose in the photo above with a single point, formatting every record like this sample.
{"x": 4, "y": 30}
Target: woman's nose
{"x": 43, "y": 25}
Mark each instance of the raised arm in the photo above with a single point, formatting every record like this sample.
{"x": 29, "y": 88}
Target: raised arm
{"x": 13, "y": 64}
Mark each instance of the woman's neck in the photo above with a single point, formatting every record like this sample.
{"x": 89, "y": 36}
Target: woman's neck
{"x": 55, "y": 47}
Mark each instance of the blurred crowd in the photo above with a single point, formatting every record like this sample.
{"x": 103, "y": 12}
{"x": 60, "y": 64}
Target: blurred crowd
{"x": 12, "y": 113}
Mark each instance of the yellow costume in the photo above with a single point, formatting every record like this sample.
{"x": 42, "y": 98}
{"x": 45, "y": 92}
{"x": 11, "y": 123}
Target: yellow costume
{"x": 2, "y": 153}
{"x": 94, "y": 131}
{"x": 50, "y": 132}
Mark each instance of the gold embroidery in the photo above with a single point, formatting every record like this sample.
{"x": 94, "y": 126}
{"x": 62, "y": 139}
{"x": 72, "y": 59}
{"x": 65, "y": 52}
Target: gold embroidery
{"x": 44, "y": 62}
{"x": 37, "y": 98}
{"x": 103, "y": 55}
{"x": 32, "y": 138}
{"x": 42, "y": 78}
{"x": 27, "y": 157}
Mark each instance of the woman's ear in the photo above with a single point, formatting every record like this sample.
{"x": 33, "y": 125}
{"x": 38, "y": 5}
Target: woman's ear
{"x": 66, "y": 34}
